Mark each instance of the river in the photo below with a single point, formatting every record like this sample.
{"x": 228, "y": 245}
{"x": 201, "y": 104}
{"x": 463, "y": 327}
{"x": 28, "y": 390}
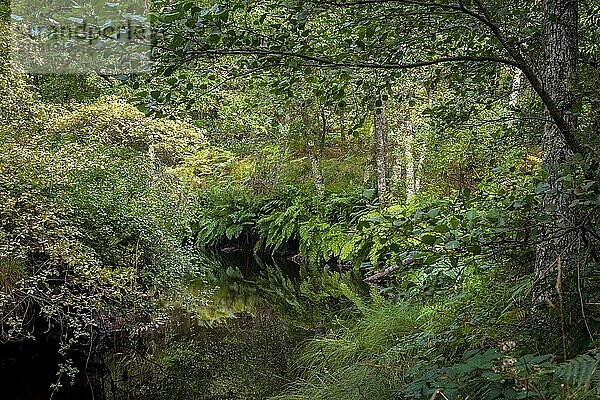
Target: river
{"x": 240, "y": 344}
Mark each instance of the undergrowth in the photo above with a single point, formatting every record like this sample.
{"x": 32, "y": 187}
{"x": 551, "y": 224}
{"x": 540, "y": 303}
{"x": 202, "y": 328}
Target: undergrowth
{"x": 471, "y": 344}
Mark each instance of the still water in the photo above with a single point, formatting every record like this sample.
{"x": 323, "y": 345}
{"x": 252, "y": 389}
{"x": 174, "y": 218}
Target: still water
{"x": 239, "y": 345}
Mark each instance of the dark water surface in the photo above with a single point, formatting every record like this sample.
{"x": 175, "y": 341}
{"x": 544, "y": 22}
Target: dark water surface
{"x": 28, "y": 369}
{"x": 239, "y": 346}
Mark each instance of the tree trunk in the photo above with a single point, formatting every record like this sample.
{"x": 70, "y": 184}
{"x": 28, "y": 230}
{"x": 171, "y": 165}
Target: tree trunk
{"x": 380, "y": 135}
{"x": 409, "y": 159}
{"x": 560, "y": 80}
{"x": 397, "y": 151}
{"x": 421, "y": 164}
{"x": 420, "y": 167}
{"x": 515, "y": 91}
{"x": 312, "y": 155}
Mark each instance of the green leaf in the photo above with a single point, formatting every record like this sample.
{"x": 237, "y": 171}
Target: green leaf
{"x": 369, "y": 194}
{"x": 452, "y": 245}
{"x": 433, "y": 212}
{"x": 471, "y": 214}
{"x": 428, "y": 239}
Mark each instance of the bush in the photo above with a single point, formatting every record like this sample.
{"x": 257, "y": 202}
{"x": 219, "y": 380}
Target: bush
{"x": 91, "y": 225}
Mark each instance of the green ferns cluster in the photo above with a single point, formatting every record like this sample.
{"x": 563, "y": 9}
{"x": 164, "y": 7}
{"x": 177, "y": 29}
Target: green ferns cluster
{"x": 284, "y": 221}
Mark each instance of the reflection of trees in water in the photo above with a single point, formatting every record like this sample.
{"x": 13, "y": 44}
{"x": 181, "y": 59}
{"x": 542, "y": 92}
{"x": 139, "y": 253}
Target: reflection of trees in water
{"x": 302, "y": 295}
{"x": 237, "y": 346}
{"x": 246, "y": 357}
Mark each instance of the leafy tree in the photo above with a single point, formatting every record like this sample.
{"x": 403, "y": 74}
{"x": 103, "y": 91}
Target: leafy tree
{"x": 344, "y": 37}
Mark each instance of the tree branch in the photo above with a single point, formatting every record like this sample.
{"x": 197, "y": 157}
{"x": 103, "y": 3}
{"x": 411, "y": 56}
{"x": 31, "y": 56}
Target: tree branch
{"x": 485, "y": 17}
{"x": 532, "y": 77}
{"x": 326, "y": 62}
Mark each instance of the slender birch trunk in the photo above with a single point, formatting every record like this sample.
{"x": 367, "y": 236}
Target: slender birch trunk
{"x": 515, "y": 94}
{"x": 420, "y": 166}
{"x": 515, "y": 91}
{"x": 409, "y": 159}
{"x": 381, "y": 163}
{"x": 311, "y": 153}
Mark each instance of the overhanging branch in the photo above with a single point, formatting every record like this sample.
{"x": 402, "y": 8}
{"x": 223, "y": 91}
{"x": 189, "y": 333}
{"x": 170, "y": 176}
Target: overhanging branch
{"x": 320, "y": 61}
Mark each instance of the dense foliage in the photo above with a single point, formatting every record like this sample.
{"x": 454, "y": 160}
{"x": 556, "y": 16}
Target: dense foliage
{"x": 313, "y": 200}
{"x": 92, "y": 225}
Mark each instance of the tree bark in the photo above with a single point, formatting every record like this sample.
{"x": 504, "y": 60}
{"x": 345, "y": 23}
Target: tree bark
{"x": 409, "y": 159}
{"x": 560, "y": 80}
{"x": 381, "y": 163}
{"x": 515, "y": 93}
{"x": 420, "y": 166}
{"x": 312, "y": 155}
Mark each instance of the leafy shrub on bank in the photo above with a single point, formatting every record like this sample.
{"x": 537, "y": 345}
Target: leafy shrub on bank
{"x": 91, "y": 225}
{"x": 455, "y": 347}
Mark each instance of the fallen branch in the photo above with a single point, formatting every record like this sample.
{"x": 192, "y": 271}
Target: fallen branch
{"x": 386, "y": 272}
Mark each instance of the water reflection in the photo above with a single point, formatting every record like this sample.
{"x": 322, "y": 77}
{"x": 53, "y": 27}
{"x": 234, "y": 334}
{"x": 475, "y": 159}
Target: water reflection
{"x": 305, "y": 296}
{"x": 239, "y": 345}
{"x": 238, "y": 283}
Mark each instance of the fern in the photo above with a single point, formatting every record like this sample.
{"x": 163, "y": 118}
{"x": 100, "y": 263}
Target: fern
{"x": 581, "y": 371}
